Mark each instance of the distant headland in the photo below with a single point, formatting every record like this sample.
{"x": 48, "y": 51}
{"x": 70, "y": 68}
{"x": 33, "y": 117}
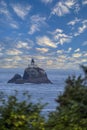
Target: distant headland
{"x": 32, "y": 74}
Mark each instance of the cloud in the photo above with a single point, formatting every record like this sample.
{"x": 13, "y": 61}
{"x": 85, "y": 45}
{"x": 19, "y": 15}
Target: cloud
{"x": 64, "y": 51}
{"x": 50, "y": 62}
{"x": 60, "y": 51}
{"x": 21, "y": 10}
{"x": 7, "y": 18}
{"x": 13, "y": 52}
{"x": 1, "y": 47}
{"x": 69, "y": 50}
{"x": 36, "y": 22}
{"x": 3, "y": 9}
{"x": 14, "y": 25}
{"x": 73, "y": 22}
{"x": 84, "y": 2}
{"x": 47, "y": 1}
{"x": 1, "y": 54}
{"x": 42, "y": 50}
{"x": 21, "y": 44}
{"x": 84, "y": 21}
{"x": 17, "y": 58}
{"x": 83, "y": 60}
{"x": 64, "y": 7}
{"x": 58, "y": 31}
{"x": 62, "y": 58}
{"x": 60, "y": 37}
{"x": 85, "y": 54}
{"x": 45, "y": 41}
{"x": 77, "y": 55}
{"x": 14, "y": 58}
{"x": 74, "y": 60}
{"x": 84, "y": 43}
{"x": 34, "y": 28}
{"x": 70, "y": 3}
{"x": 81, "y": 28}
{"x": 64, "y": 39}
{"x": 60, "y": 9}
{"x": 77, "y": 50}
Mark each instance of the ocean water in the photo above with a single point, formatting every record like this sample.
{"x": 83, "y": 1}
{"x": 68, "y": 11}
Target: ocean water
{"x": 47, "y": 93}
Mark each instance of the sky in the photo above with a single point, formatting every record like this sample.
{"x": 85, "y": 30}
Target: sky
{"x": 53, "y": 32}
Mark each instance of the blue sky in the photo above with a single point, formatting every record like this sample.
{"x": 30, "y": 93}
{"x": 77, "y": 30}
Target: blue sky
{"x": 53, "y": 32}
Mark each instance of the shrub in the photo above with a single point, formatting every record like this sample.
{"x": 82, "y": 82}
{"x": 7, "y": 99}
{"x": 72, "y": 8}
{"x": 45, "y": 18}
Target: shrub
{"x": 20, "y": 115}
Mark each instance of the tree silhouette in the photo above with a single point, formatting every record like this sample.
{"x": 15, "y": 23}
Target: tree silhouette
{"x": 84, "y": 68}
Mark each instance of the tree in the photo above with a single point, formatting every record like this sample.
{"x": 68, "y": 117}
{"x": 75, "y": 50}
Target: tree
{"x": 84, "y": 68}
{"x": 71, "y": 112}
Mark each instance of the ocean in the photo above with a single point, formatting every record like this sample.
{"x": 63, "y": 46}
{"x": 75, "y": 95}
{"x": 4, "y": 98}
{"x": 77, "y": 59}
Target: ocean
{"x": 46, "y": 93}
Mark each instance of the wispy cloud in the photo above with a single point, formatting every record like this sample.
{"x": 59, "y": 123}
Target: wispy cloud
{"x": 21, "y": 44}
{"x": 77, "y": 50}
{"x": 13, "y": 58}
{"x": 58, "y": 30}
{"x": 60, "y": 37}
{"x": 36, "y": 22}
{"x": 73, "y": 22}
{"x": 70, "y": 3}
{"x": 46, "y": 1}
{"x": 64, "y": 7}
{"x": 84, "y": 43}
{"x": 34, "y": 28}
{"x": 1, "y": 54}
{"x": 13, "y": 52}
{"x": 42, "y": 50}
{"x": 78, "y": 26}
{"x": 69, "y": 50}
{"x": 81, "y": 28}
{"x": 85, "y": 54}
{"x": 45, "y": 41}
{"x": 75, "y": 58}
{"x": 60, "y": 51}
{"x": 84, "y": 2}
{"x": 64, "y": 51}
{"x": 60, "y": 9}
{"x": 7, "y": 18}
{"x": 77, "y": 55}
{"x": 21, "y": 10}
{"x": 1, "y": 47}
{"x": 14, "y": 25}
{"x": 4, "y": 10}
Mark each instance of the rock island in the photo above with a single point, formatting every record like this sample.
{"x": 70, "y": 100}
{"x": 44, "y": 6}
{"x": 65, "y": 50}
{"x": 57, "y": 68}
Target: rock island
{"x": 32, "y": 74}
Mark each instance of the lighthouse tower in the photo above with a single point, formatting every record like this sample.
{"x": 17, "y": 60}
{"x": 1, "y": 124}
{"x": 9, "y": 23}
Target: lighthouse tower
{"x": 32, "y": 65}
{"x": 32, "y": 62}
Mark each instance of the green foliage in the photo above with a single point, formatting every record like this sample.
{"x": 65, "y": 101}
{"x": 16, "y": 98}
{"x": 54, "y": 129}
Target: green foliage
{"x": 71, "y": 113}
{"x": 84, "y": 68}
{"x": 75, "y": 90}
{"x": 20, "y": 115}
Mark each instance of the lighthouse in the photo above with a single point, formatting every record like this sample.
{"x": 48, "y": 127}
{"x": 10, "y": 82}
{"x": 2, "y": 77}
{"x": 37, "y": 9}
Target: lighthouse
{"x": 32, "y": 64}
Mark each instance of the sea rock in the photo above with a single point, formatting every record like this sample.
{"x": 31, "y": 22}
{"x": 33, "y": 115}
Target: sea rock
{"x": 35, "y": 75}
{"x": 32, "y": 74}
{"x": 15, "y": 78}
